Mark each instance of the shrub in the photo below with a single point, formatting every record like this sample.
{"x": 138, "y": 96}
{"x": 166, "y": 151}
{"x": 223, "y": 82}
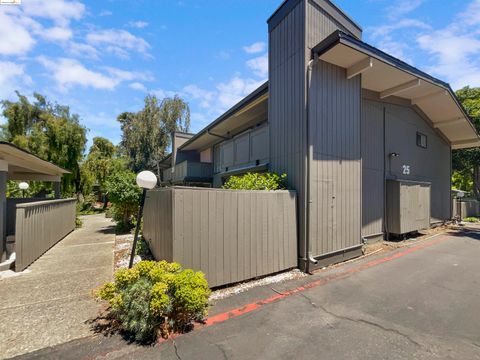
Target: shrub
{"x": 471, "y": 219}
{"x": 124, "y": 194}
{"x": 156, "y": 298}
{"x": 256, "y": 181}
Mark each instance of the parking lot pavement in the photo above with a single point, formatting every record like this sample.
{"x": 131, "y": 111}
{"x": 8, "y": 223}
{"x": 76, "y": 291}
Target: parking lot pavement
{"x": 418, "y": 302}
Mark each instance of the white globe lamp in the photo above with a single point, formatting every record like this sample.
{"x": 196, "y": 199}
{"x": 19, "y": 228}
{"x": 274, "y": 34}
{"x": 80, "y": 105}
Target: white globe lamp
{"x": 23, "y": 186}
{"x": 146, "y": 180}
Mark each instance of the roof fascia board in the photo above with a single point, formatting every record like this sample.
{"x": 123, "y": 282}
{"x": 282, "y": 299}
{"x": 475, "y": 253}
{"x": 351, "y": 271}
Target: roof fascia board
{"x": 45, "y": 162}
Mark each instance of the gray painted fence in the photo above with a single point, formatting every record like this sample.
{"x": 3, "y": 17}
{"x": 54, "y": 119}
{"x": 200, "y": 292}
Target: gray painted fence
{"x": 12, "y": 211}
{"x": 39, "y": 226}
{"x": 465, "y": 208}
{"x": 229, "y": 235}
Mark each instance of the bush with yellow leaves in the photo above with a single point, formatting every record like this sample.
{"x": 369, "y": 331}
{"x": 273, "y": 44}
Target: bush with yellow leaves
{"x": 154, "y": 299}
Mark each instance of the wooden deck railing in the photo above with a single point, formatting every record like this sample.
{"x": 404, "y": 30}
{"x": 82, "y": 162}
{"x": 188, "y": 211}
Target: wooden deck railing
{"x": 39, "y": 226}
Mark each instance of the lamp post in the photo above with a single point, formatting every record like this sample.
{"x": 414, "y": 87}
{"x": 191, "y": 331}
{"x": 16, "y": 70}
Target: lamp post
{"x": 147, "y": 181}
{"x": 23, "y": 186}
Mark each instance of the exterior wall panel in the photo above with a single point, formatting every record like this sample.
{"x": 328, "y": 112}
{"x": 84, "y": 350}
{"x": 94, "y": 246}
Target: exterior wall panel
{"x": 336, "y": 164}
{"x": 229, "y": 235}
{"x": 287, "y": 103}
{"x": 373, "y": 162}
{"x": 428, "y": 165}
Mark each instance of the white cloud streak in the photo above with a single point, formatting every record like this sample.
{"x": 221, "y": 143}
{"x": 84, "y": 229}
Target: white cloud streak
{"x": 255, "y": 48}
{"x": 70, "y": 72}
{"x": 12, "y": 77}
{"x": 118, "y": 42}
{"x": 259, "y": 66}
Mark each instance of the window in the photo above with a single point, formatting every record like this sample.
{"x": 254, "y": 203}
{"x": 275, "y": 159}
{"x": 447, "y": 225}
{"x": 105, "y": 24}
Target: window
{"x": 421, "y": 140}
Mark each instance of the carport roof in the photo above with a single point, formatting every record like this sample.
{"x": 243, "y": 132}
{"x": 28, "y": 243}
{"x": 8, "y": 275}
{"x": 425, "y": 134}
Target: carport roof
{"x": 23, "y": 165}
{"x": 389, "y": 76}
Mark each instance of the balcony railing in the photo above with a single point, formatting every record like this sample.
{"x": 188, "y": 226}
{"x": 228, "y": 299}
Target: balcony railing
{"x": 188, "y": 171}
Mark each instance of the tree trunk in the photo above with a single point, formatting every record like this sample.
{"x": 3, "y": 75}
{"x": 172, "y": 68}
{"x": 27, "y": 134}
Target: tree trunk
{"x": 105, "y": 201}
{"x": 476, "y": 182}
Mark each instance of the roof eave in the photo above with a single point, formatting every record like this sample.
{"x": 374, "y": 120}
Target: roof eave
{"x": 340, "y": 37}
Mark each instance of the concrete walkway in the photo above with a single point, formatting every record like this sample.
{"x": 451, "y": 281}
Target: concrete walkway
{"x": 51, "y": 301}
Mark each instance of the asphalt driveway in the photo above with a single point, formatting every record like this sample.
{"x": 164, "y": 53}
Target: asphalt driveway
{"x": 418, "y": 302}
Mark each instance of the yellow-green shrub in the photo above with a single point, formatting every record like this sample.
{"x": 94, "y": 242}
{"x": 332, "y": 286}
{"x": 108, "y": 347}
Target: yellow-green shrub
{"x": 155, "y": 298}
{"x": 256, "y": 181}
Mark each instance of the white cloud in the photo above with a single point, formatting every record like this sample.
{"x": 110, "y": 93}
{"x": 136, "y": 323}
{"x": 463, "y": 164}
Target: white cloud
{"x": 12, "y": 77}
{"x": 105, "y": 13}
{"x": 204, "y": 96}
{"x": 83, "y": 50}
{"x": 162, "y": 93}
{"x": 255, "y": 48}
{"x": 15, "y": 38}
{"x": 57, "y": 34}
{"x": 70, "y": 72}
{"x": 472, "y": 15}
{"x": 233, "y": 91}
{"x": 385, "y": 30}
{"x": 59, "y": 11}
{"x": 403, "y": 7}
{"x": 138, "y": 24}
{"x": 137, "y": 86}
{"x": 455, "y": 49}
{"x": 259, "y": 66}
{"x": 219, "y": 99}
{"x": 119, "y": 42}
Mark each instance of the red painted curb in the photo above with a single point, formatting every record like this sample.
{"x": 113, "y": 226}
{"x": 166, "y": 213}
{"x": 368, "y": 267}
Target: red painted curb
{"x": 220, "y": 318}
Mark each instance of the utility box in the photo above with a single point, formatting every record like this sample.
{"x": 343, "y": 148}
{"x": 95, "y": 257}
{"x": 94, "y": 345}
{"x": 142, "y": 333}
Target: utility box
{"x": 408, "y": 206}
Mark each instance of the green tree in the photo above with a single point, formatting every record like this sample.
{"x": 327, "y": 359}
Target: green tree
{"x": 48, "y": 130}
{"x": 125, "y": 195}
{"x": 466, "y": 162}
{"x": 100, "y": 163}
{"x": 146, "y": 134}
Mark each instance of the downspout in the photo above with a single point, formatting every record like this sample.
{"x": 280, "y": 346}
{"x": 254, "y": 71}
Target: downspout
{"x": 308, "y": 200}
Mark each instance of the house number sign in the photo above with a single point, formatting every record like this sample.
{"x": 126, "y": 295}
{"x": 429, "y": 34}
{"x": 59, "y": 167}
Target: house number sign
{"x": 406, "y": 169}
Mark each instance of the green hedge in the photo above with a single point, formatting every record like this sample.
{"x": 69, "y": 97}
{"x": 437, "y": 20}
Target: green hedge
{"x": 154, "y": 299}
{"x": 257, "y": 181}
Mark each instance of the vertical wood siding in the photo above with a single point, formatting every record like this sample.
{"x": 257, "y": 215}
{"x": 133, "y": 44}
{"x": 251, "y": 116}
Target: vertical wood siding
{"x": 335, "y": 114}
{"x": 319, "y": 25}
{"x": 289, "y": 52}
{"x": 229, "y": 235}
{"x": 39, "y": 226}
{"x": 287, "y": 103}
{"x": 158, "y": 223}
{"x": 429, "y": 165}
{"x": 373, "y": 162}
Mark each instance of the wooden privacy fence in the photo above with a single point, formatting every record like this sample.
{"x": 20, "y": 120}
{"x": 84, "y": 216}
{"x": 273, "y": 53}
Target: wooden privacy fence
{"x": 230, "y": 235}
{"x": 39, "y": 226}
{"x": 465, "y": 208}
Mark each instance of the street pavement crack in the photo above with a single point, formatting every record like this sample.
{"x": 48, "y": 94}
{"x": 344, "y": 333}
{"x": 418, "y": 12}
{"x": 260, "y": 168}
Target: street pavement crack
{"x": 363, "y": 321}
{"x": 176, "y": 350}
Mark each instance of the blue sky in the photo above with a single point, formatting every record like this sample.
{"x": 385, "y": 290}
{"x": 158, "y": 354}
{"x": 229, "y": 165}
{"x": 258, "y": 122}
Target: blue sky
{"x": 103, "y": 57}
